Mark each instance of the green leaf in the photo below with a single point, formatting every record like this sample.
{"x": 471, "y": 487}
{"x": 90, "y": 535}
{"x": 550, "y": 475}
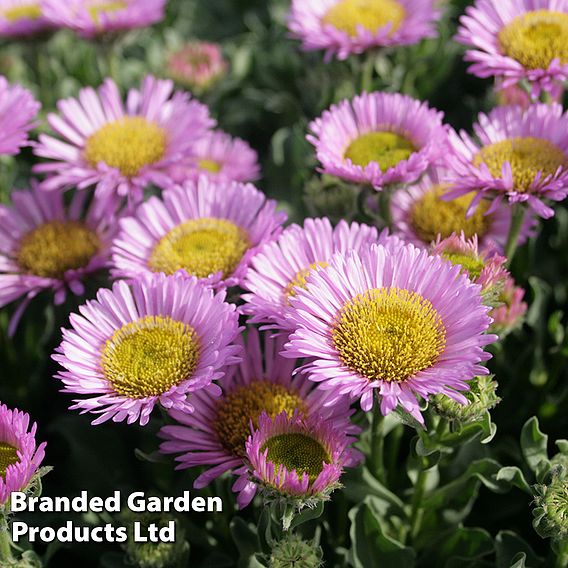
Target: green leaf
{"x": 465, "y": 548}
{"x": 307, "y": 514}
{"x": 372, "y": 547}
{"x": 533, "y": 443}
{"x": 515, "y": 477}
{"x": 245, "y": 538}
{"x": 512, "y": 551}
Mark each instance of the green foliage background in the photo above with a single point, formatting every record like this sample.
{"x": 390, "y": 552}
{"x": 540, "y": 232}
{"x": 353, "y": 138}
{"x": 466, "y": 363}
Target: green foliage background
{"x": 270, "y": 95}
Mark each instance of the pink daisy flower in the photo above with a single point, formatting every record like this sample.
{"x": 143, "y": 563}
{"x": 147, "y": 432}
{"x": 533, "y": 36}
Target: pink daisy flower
{"x": 520, "y": 155}
{"x": 93, "y": 18}
{"x": 509, "y": 315}
{"x": 344, "y": 27}
{"x": 18, "y": 111}
{"x": 214, "y": 435}
{"x": 395, "y": 320}
{"x": 208, "y": 229}
{"x": 156, "y": 342}
{"x": 198, "y": 65}
{"x": 516, "y": 40}
{"x": 283, "y": 266}
{"x": 20, "y": 18}
{"x": 378, "y": 139}
{"x": 20, "y": 456}
{"x": 219, "y": 157}
{"x": 420, "y": 214}
{"x": 121, "y": 148}
{"x": 45, "y": 245}
{"x": 297, "y": 457}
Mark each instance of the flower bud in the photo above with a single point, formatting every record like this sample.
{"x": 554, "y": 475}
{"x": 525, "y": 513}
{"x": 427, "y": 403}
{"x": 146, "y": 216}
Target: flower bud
{"x": 293, "y": 552}
{"x": 551, "y": 506}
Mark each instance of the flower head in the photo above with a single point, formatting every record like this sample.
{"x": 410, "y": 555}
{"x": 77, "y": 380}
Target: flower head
{"x": 421, "y": 214}
{"x": 345, "y": 27}
{"x": 214, "y": 435}
{"x": 509, "y": 315}
{"x": 378, "y": 139}
{"x": 298, "y": 457}
{"x": 198, "y": 65}
{"x": 121, "y": 148}
{"x": 45, "y": 245}
{"x": 208, "y": 229}
{"x": 521, "y": 155}
{"x": 152, "y": 343}
{"x": 20, "y": 456}
{"x": 517, "y": 39}
{"x": 93, "y": 18}
{"x": 551, "y": 506}
{"x": 284, "y": 266}
{"x": 219, "y": 157}
{"x": 19, "y": 18}
{"x": 18, "y": 111}
{"x": 394, "y": 320}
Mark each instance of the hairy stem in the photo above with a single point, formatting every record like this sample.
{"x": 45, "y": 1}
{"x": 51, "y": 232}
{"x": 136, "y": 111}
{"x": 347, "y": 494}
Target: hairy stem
{"x": 517, "y": 219}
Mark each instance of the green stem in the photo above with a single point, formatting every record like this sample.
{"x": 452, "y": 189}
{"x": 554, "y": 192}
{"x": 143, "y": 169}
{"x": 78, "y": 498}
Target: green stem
{"x": 417, "y": 512}
{"x": 377, "y": 443}
{"x": 5, "y": 542}
{"x": 367, "y": 72}
{"x": 517, "y": 219}
{"x": 385, "y": 203}
{"x": 109, "y": 66}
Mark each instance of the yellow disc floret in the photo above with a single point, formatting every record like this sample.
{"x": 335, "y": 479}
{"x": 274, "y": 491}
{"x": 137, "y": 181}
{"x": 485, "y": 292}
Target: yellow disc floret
{"x": 372, "y": 15}
{"x": 431, "y": 216}
{"x": 297, "y": 451}
{"x": 300, "y": 279}
{"x": 51, "y": 249}
{"x": 201, "y": 246}
{"x": 236, "y": 410}
{"x": 389, "y": 334}
{"x": 385, "y": 148}
{"x": 536, "y": 38}
{"x": 149, "y": 356}
{"x": 8, "y": 457}
{"x": 127, "y": 144}
{"x": 15, "y": 14}
{"x": 528, "y": 157}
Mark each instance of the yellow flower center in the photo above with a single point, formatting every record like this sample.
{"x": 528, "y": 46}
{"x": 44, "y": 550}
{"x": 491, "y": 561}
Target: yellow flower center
{"x": 300, "y": 279}
{"x": 431, "y": 216}
{"x": 202, "y": 246}
{"x": 127, "y": 144}
{"x": 103, "y": 7}
{"x": 536, "y": 38}
{"x": 389, "y": 334}
{"x": 51, "y": 249}
{"x": 385, "y": 148}
{"x": 149, "y": 356}
{"x": 8, "y": 457}
{"x": 25, "y": 12}
{"x": 209, "y": 166}
{"x": 372, "y": 15}
{"x": 236, "y": 410}
{"x": 528, "y": 157}
{"x": 471, "y": 265}
{"x": 297, "y": 451}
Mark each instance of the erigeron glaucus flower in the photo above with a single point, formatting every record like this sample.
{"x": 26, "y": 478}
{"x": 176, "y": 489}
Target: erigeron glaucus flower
{"x": 483, "y": 266}
{"x": 121, "y": 148}
{"x": 379, "y": 139}
{"x": 208, "y": 229}
{"x": 18, "y": 111}
{"x": 219, "y": 157}
{"x": 520, "y": 156}
{"x": 214, "y": 435}
{"x": 156, "y": 342}
{"x": 283, "y": 266}
{"x": 516, "y": 40}
{"x": 20, "y": 18}
{"x": 510, "y": 314}
{"x": 93, "y": 18}
{"x": 420, "y": 214}
{"x": 20, "y": 456}
{"x": 198, "y": 65}
{"x": 394, "y": 320}
{"x": 45, "y": 245}
{"x": 344, "y": 27}
{"x": 297, "y": 457}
